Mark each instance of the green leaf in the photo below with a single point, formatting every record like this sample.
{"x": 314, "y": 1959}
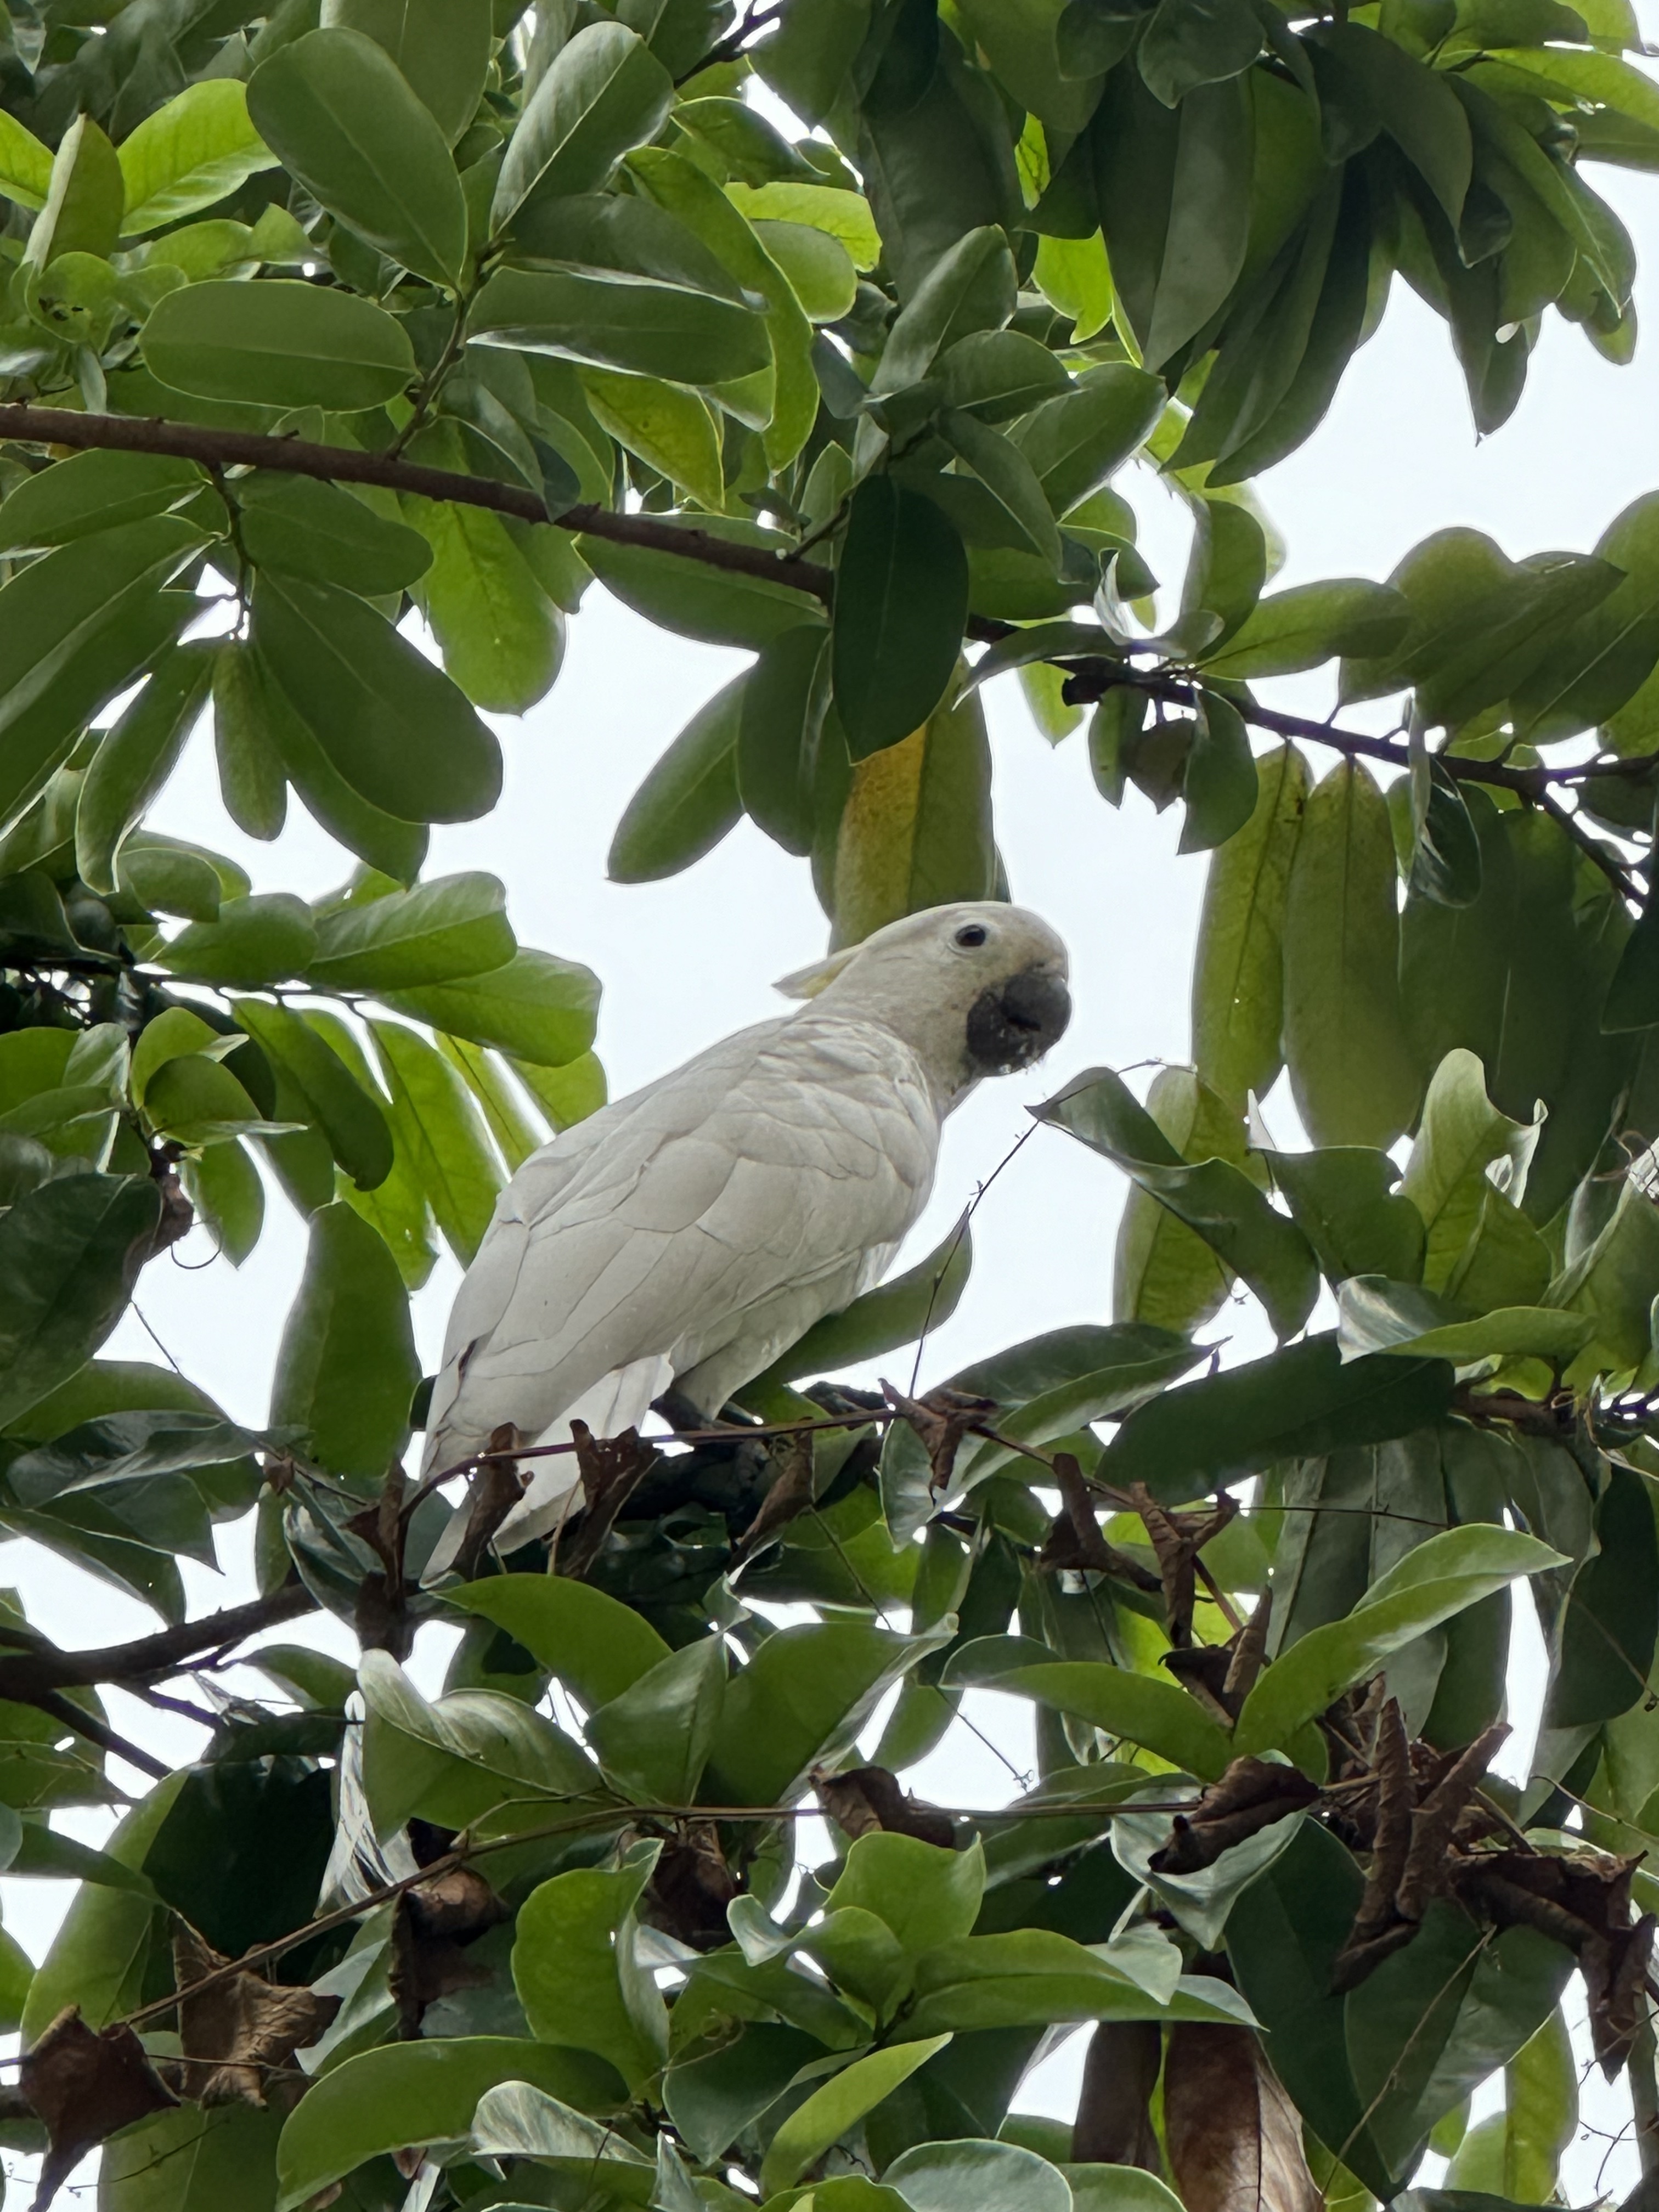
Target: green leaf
{"x": 596, "y": 1645}
{"x": 1160, "y": 1716}
{"x": 901, "y": 606}
{"x": 634, "y": 325}
{"x": 442, "y": 48}
{"x": 1379, "y": 1316}
{"x": 1436, "y": 1579}
{"x": 189, "y": 154}
{"x": 915, "y": 830}
{"x": 1196, "y": 42}
{"x": 346, "y": 1368}
{"x": 840, "y": 214}
{"x": 695, "y": 600}
{"x": 689, "y": 801}
{"x": 1032, "y": 1976}
{"x": 252, "y": 781}
{"x": 897, "y": 1313}
{"x": 25, "y": 165}
{"x": 342, "y": 117}
{"x": 1344, "y": 1202}
{"x": 194, "y": 1101}
{"x": 784, "y": 703}
{"x": 1416, "y": 106}
{"x": 223, "y": 1186}
{"x": 671, "y": 429}
{"x": 818, "y": 267}
{"x": 501, "y": 636}
{"x": 90, "y": 493}
{"x": 839, "y": 2104}
{"x": 280, "y": 342}
{"x": 654, "y": 1739}
{"x": 801, "y": 1701}
{"x": 70, "y": 1253}
{"x": 1238, "y": 974}
{"x": 1295, "y": 1404}
{"x": 321, "y": 533}
{"x": 1632, "y": 1001}
{"x": 1163, "y": 1271}
{"x": 136, "y": 758}
{"x": 971, "y": 287}
{"x": 395, "y": 727}
{"x": 388, "y": 2099}
{"x": 439, "y": 1132}
{"x": 451, "y": 926}
{"x": 1009, "y": 477}
{"x": 515, "y": 1133}
{"x": 520, "y": 2122}
{"x": 84, "y": 200}
{"x": 461, "y": 1757}
{"x": 97, "y": 1957}
{"x": 605, "y": 94}
{"x": 1290, "y": 631}
{"x": 171, "y": 1036}
{"x": 926, "y": 1895}
{"x": 1603, "y": 1639}
{"x": 574, "y": 1968}
{"x": 537, "y": 1008}
{"x": 333, "y": 1101}
{"x": 1078, "y": 439}
{"x": 1219, "y": 781}
{"x": 1462, "y": 1135}
{"x": 263, "y": 939}
{"x": 1214, "y": 1198}
{"x": 77, "y": 627}
{"x": 1351, "y": 1069}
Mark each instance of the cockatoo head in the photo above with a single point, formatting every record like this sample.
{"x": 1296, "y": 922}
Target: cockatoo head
{"x": 978, "y": 988}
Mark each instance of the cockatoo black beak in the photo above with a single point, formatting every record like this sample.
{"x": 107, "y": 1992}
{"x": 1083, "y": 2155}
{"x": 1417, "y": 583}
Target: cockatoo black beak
{"x": 1012, "y": 1025}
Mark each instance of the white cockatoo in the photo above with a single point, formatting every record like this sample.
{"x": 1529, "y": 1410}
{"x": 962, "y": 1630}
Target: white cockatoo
{"x": 690, "y": 1234}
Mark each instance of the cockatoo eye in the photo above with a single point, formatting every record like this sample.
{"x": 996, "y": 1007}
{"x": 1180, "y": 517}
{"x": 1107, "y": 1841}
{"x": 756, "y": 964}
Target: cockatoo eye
{"x": 971, "y": 934}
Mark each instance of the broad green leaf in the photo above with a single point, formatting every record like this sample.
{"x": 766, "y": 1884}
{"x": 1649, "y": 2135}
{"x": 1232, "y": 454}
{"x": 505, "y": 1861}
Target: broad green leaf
{"x": 925, "y": 1894}
{"x": 439, "y": 1132}
{"x": 1189, "y": 43}
{"x": 502, "y": 637}
{"x": 839, "y": 213}
{"x": 818, "y": 266}
{"x": 1632, "y": 1001}
{"x": 136, "y": 758}
{"x": 346, "y": 1369}
{"x": 574, "y": 1968}
{"x": 801, "y": 1701}
{"x": 1159, "y": 1715}
{"x": 1312, "y": 623}
{"x": 1380, "y": 1315}
{"x": 618, "y": 322}
{"x": 1055, "y": 1385}
{"x": 393, "y": 726}
{"x": 1296, "y": 1403}
{"x": 189, "y": 154}
{"x": 388, "y": 2099}
{"x": 442, "y": 47}
{"x": 219, "y": 2158}
{"x": 595, "y": 1644}
{"x": 1344, "y": 1201}
{"x": 1007, "y": 474}
{"x": 84, "y": 200}
{"x": 223, "y": 1186}
{"x": 1238, "y": 973}
{"x": 671, "y": 429}
{"x": 625, "y": 234}
{"x": 252, "y": 781}
{"x": 333, "y": 1101}
{"x": 460, "y": 1757}
{"x": 688, "y": 802}
{"x": 170, "y": 1036}
{"x": 654, "y": 1738}
{"x": 921, "y": 1299}
{"x": 280, "y": 342}
{"x": 263, "y": 939}
{"x": 1208, "y": 230}
{"x": 605, "y": 94}
{"x": 1351, "y": 1067}
{"x": 537, "y": 1008}
{"x": 341, "y": 118}
{"x": 451, "y": 926}
{"x": 841, "y": 2103}
{"x": 915, "y": 830}
{"x": 25, "y": 165}
{"x": 1163, "y": 1271}
{"x": 396, "y": 1207}
{"x": 1541, "y": 2116}
{"x": 781, "y": 721}
{"x": 77, "y": 627}
{"x": 1615, "y": 1281}
{"x": 695, "y": 601}
{"x": 69, "y": 1253}
{"x": 1450, "y": 1571}
{"x": 972, "y": 286}
{"x": 519, "y": 2122}
{"x": 1415, "y": 106}
{"x": 321, "y": 533}
{"x": 1079, "y": 438}
{"x": 1214, "y": 1198}
{"x": 1460, "y": 1137}
{"x": 86, "y": 494}
{"x": 1032, "y": 1976}
{"x": 901, "y": 606}
{"x": 97, "y": 1957}
{"x": 515, "y": 1133}
{"x": 194, "y": 1101}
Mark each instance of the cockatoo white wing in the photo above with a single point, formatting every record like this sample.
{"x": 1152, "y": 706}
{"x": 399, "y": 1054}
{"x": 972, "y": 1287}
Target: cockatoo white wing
{"x": 693, "y": 1237}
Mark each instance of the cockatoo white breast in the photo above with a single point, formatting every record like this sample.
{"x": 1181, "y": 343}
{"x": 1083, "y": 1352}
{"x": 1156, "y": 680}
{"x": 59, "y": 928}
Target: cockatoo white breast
{"x": 690, "y": 1234}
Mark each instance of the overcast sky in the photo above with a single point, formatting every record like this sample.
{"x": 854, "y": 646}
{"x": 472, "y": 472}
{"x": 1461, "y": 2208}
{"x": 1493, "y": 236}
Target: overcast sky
{"x": 684, "y": 962}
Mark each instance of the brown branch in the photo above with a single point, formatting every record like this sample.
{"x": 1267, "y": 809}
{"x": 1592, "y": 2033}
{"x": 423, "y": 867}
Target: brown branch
{"x": 94, "y": 1730}
{"x": 31, "y": 1677}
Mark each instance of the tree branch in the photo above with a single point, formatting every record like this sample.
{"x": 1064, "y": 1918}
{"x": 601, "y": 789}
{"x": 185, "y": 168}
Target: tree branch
{"x": 31, "y": 1677}
{"x": 94, "y": 1730}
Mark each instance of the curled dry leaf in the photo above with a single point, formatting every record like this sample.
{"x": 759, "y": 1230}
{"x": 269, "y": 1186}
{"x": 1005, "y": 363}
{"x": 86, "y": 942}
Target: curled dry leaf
{"x": 611, "y": 1468}
{"x": 496, "y": 1489}
{"x": 866, "y": 1798}
{"x": 1114, "y": 2122}
{"x": 1251, "y": 1795}
{"x": 691, "y": 1888}
{"x": 236, "y": 2033}
{"x": 433, "y": 1924}
{"x": 941, "y": 1419}
{"x": 85, "y": 2085}
{"x": 1234, "y": 2137}
{"x": 789, "y": 1495}
{"x": 1074, "y": 1538}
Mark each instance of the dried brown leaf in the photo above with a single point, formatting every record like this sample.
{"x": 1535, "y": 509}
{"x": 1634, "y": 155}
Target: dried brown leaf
{"x": 869, "y": 1797}
{"x": 1251, "y": 1795}
{"x": 85, "y": 2086}
{"x": 1234, "y": 2137}
{"x": 236, "y": 2033}
{"x": 1114, "y": 2122}
{"x": 691, "y": 1888}
{"x": 941, "y": 1419}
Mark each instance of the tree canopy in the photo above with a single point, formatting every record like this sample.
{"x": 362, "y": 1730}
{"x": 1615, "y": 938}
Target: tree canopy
{"x": 342, "y": 331}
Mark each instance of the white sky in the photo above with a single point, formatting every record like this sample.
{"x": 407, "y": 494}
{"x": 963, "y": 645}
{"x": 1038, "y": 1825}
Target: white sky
{"x": 685, "y": 961}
